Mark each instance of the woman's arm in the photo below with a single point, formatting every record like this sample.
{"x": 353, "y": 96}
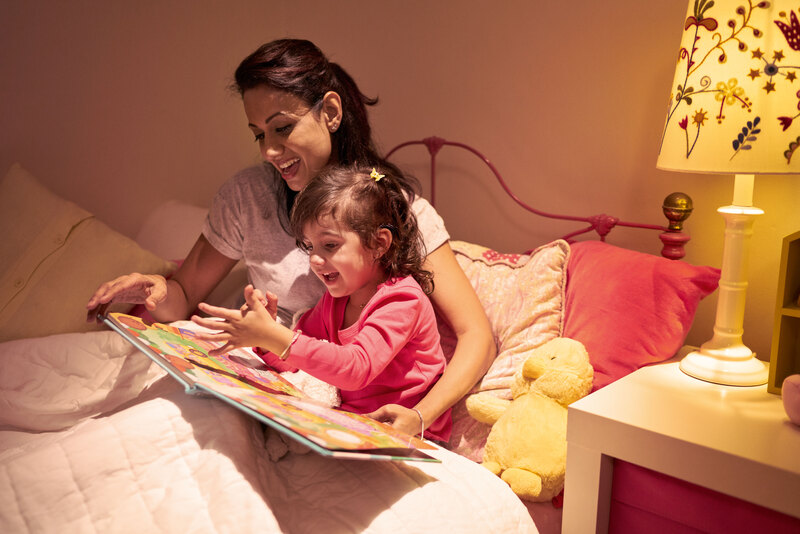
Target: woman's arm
{"x": 456, "y": 301}
{"x": 202, "y": 270}
{"x": 167, "y": 300}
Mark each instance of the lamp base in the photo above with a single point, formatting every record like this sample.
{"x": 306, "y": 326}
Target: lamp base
{"x": 731, "y": 366}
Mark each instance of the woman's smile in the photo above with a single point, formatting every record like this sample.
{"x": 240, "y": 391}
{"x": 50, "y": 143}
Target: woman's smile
{"x": 292, "y": 136}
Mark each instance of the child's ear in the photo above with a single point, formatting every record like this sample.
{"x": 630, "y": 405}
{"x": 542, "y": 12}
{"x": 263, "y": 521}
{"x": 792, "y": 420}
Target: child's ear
{"x": 383, "y": 240}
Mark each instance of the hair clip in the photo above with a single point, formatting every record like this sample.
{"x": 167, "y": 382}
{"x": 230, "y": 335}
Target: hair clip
{"x": 375, "y": 175}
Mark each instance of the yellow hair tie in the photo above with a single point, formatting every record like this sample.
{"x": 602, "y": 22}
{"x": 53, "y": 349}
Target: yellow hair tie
{"x": 375, "y": 175}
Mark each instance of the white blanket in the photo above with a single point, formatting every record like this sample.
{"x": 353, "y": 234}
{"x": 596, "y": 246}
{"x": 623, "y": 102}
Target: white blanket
{"x": 93, "y": 438}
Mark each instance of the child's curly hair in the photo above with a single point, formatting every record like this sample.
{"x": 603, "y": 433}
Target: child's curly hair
{"x": 355, "y": 199}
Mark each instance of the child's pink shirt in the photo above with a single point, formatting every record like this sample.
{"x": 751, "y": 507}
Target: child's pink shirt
{"x": 390, "y": 355}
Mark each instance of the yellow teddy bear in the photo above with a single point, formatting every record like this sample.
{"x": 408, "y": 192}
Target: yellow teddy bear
{"x": 527, "y": 446}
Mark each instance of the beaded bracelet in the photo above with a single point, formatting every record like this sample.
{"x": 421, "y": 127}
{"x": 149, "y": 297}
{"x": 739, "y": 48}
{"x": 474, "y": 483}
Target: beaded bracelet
{"x": 422, "y": 422}
{"x": 286, "y": 351}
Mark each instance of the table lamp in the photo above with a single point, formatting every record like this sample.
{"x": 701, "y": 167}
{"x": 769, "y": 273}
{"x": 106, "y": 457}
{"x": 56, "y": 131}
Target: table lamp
{"x": 734, "y": 109}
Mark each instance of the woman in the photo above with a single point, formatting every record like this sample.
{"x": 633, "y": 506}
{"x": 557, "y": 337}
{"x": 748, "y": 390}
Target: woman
{"x": 306, "y": 112}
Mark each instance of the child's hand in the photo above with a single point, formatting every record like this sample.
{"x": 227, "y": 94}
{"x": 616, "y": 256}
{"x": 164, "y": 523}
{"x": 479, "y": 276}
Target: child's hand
{"x": 251, "y": 325}
{"x": 268, "y": 299}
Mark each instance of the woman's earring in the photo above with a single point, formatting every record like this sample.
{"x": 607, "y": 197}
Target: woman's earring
{"x": 334, "y": 126}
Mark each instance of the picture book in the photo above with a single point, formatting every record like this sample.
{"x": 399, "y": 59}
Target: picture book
{"x": 243, "y": 380}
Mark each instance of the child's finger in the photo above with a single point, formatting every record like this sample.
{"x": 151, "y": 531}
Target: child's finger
{"x": 272, "y": 304}
{"x": 216, "y": 311}
{"x": 211, "y": 324}
{"x": 258, "y": 295}
{"x": 255, "y": 300}
{"x": 222, "y": 350}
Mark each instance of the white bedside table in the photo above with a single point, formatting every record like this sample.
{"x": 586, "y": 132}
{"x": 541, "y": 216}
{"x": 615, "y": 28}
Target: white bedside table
{"x": 734, "y": 440}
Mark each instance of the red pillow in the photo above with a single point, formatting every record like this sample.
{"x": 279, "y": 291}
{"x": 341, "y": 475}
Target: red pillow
{"x": 628, "y": 308}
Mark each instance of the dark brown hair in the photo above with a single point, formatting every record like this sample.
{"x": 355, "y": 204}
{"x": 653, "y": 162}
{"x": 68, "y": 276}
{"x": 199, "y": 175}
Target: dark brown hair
{"x": 354, "y": 199}
{"x": 298, "y": 67}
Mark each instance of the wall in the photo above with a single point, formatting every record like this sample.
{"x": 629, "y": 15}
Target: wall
{"x": 119, "y": 106}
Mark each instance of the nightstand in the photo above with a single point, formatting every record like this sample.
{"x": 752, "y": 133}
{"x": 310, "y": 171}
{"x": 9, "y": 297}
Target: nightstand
{"x": 737, "y": 441}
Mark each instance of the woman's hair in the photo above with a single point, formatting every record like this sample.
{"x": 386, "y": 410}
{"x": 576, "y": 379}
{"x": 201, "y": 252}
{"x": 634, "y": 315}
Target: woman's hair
{"x": 298, "y": 67}
{"x": 352, "y": 197}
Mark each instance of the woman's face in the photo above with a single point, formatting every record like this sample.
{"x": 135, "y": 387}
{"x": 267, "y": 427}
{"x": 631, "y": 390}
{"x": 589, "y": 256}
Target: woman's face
{"x": 292, "y": 137}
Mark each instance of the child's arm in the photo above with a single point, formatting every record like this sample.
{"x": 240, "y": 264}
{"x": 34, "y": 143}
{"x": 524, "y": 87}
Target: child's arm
{"x": 391, "y": 321}
{"x": 252, "y": 325}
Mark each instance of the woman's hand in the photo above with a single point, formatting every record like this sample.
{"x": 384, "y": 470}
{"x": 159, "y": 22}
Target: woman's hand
{"x": 399, "y": 417}
{"x": 251, "y": 325}
{"x": 135, "y": 288}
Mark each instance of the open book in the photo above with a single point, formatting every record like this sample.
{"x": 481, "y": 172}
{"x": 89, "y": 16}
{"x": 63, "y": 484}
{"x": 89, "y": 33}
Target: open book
{"x": 244, "y": 381}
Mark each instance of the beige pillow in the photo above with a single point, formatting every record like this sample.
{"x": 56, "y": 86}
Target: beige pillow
{"x": 53, "y": 256}
{"x": 524, "y": 296}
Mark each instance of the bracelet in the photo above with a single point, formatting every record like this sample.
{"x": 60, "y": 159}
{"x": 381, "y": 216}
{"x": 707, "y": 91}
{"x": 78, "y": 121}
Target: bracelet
{"x": 421, "y": 422}
{"x": 286, "y": 351}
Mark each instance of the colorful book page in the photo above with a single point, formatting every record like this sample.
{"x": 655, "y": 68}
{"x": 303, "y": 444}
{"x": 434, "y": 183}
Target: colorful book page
{"x": 189, "y": 355}
{"x": 243, "y": 378}
{"x": 327, "y": 427}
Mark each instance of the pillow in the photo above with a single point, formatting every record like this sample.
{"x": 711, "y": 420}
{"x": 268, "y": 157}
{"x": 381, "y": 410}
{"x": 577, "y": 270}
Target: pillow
{"x": 523, "y": 295}
{"x": 53, "y": 256}
{"x": 171, "y": 230}
{"x": 628, "y": 308}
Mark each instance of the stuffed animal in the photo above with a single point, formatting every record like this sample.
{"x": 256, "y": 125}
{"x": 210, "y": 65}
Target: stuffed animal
{"x": 790, "y": 391}
{"x": 527, "y": 445}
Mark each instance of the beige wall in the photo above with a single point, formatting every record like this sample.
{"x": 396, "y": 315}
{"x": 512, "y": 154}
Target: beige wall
{"x": 121, "y": 105}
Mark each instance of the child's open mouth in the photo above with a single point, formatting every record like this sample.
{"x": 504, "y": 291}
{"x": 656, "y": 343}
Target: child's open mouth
{"x": 330, "y": 277}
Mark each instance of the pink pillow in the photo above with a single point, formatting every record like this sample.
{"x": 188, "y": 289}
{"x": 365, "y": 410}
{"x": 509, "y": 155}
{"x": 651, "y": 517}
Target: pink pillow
{"x": 628, "y": 308}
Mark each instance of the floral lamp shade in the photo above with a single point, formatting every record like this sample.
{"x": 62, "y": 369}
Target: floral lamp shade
{"x": 734, "y": 105}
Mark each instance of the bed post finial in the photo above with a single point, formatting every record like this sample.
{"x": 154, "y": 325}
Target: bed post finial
{"x": 677, "y": 208}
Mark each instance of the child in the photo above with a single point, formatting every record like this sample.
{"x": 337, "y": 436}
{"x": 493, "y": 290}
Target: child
{"x": 373, "y": 334}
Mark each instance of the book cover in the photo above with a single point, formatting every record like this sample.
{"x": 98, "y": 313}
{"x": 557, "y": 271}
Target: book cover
{"x": 244, "y": 381}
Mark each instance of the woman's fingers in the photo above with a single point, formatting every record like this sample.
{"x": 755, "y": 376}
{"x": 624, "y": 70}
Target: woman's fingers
{"x": 132, "y": 288}
{"x": 402, "y": 418}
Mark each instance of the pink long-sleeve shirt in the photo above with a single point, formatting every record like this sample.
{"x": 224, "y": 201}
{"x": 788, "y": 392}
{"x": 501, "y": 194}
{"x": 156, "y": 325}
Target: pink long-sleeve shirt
{"x": 390, "y": 355}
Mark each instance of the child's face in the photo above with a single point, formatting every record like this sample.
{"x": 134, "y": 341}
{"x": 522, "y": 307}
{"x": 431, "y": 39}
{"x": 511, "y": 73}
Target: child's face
{"x": 339, "y": 259}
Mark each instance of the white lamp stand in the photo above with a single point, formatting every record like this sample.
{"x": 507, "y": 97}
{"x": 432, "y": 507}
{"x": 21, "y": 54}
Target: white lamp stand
{"x": 725, "y": 359}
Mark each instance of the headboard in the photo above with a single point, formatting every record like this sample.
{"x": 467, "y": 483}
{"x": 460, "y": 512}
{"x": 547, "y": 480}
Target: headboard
{"x": 676, "y": 207}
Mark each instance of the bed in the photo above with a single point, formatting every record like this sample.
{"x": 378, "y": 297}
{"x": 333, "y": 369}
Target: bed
{"x": 93, "y": 437}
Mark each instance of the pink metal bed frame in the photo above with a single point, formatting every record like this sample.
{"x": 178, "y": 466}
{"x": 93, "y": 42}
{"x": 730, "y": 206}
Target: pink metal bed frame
{"x": 677, "y": 206}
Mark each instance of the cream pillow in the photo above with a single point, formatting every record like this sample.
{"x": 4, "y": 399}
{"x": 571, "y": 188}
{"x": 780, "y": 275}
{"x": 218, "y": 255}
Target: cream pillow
{"x": 524, "y": 296}
{"x": 53, "y": 256}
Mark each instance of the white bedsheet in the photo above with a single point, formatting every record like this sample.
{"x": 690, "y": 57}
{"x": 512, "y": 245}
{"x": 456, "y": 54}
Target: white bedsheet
{"x": 93, "y": 438}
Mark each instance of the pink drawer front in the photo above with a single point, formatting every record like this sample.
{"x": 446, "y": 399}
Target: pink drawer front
{"x": 643, "y": 500}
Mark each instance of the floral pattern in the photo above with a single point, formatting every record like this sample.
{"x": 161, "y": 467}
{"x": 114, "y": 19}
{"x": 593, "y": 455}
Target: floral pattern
{"x": 723, "y": 34}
